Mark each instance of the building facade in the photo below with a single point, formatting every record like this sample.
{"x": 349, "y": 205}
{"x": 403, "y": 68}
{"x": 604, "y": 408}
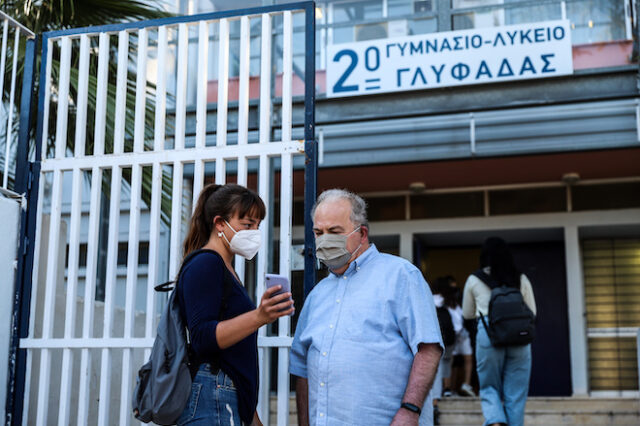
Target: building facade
{"x": 550, "y": 162}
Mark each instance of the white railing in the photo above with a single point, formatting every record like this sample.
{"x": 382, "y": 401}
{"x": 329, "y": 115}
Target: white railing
{"x": 14, "y": 35}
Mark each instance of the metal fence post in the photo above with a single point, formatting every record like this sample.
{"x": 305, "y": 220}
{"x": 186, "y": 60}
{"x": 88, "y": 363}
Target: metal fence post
{"x": 26, "y": 184}
{"x": 310, "y": 148}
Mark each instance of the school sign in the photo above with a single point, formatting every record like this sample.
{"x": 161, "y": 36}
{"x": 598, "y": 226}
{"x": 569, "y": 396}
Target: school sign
{"x": 484, "y": 55}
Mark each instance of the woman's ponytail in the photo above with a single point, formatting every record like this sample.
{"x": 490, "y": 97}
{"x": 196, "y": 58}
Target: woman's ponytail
{"x": 200, "y": 226}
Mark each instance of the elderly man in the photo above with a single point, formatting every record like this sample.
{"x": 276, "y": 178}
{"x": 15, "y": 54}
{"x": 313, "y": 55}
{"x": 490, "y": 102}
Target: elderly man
{"x": 367, "y": 343}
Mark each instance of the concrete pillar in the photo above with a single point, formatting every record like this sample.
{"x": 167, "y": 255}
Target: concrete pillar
{"x": 576, "y": 309}
{"x": 406, "y": 246}
{"x": 9, "y": 227}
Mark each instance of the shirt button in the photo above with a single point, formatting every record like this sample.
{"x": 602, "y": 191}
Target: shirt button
{"x": 330, "y": 325}
{"x": 358, "y": 268}
{"x": 344, "y": 278}
{"x": 321, "y": 384}
{"x": 321, "y": 414}
{"x": 324, "y": 354}
{"x": 337, "y": 300}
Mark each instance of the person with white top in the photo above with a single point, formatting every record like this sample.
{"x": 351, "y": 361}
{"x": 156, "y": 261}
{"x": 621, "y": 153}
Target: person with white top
{"x": 503, "y": 372}
{"x": 462, "y": 346}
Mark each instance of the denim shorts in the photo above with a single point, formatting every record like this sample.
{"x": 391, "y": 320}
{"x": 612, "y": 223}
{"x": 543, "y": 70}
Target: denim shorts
{"x": 213, "y": 400}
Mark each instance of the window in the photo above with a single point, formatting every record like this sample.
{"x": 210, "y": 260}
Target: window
{"x": 123, "y": 250}
{"x": 400, "y": 7}
{"x": 143, "y": 253}
{"x": 357, "y": 11}
{"x": 606, "y": 197}
{"x": 432, "y": 206}
{"x": 350, "y": 21}
{"x": 612, "y": 299}
{"x": 594, "y": 21}
{"x": 460, "y": 4}
{"x": 423, "y": 26}
{"x": 499, "y": 15}
{"x": 386, "y": 208}
{"x": 536, "y": 200}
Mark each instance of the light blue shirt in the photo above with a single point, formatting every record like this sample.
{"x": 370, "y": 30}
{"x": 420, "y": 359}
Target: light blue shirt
{"x": 356, "y": 339}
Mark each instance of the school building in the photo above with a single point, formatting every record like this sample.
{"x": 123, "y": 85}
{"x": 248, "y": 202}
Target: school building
{"x": 455, "y": 119}
{"x": 462, "y": 119}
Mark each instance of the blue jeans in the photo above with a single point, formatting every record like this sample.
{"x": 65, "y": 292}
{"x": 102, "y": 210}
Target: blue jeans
{"x": 503, "y": 374}
{"x": 213, "y": 400}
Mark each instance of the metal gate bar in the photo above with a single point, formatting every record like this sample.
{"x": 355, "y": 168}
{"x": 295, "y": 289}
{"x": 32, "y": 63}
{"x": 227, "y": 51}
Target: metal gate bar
{"x": 78, "y": 165}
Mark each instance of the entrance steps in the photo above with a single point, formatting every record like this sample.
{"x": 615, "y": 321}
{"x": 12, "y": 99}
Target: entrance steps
{"x": 549, "y": 411}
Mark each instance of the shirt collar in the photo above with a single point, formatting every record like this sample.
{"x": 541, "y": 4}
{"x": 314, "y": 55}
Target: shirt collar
{"x": 360, "y": 261}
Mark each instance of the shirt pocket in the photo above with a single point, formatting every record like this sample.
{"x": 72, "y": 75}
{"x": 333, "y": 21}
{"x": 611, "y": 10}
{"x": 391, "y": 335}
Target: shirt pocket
{"x": 364, "y": 322}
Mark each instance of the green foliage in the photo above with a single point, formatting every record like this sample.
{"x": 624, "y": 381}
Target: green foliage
{"x": 48, "y": 15}
{"x": 51, "y": 15}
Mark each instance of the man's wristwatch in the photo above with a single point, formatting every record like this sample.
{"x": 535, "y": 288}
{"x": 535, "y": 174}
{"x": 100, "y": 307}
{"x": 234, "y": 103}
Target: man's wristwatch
{"x": 411, "y": 407}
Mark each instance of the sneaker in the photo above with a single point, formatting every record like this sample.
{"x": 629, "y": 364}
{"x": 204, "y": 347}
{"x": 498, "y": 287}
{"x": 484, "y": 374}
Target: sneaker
{"x": 467, "y": 390}
{"x": 447, "y": 393}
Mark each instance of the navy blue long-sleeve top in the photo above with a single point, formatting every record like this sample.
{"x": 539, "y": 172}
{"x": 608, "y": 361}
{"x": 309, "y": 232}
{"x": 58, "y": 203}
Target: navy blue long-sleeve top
{"x": 200, "y": 297}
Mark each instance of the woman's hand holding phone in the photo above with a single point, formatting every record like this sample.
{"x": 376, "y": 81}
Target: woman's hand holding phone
{"x": 274, "y": 304}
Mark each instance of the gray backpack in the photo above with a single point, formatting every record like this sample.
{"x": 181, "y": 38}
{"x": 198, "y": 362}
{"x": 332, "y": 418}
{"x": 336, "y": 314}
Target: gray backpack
{"x": 511, "y": 322}
{"x": 164, "y": 382}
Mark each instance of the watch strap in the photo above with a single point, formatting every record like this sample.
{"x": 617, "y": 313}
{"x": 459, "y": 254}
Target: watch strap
{"x": 411, "y": 407}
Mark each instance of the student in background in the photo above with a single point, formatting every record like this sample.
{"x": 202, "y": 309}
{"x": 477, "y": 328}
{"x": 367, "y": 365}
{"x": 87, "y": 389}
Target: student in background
{"x": 440, "y": 290}
{"x": 503, "y": 372}
{"x": 462, "y": 345}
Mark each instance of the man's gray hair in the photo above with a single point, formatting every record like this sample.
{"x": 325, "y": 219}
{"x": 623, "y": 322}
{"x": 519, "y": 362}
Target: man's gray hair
{"x": 358, "y": 205}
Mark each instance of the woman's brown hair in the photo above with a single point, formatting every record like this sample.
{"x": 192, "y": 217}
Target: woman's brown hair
{"x": 224, "y": 201}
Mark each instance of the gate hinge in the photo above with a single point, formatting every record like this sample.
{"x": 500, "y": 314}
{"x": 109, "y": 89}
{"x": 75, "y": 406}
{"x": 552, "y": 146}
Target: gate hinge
{"x": 30, "y": 178}
{"x": 25, "y": 246}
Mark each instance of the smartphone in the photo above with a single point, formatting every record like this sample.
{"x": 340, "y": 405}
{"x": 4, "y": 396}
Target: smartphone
{"x": 272, "y": 280}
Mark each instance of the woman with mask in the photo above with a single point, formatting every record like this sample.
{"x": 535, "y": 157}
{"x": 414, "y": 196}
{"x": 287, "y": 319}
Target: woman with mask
{"x": 221, "y": 318}
{"x": 503, "y": 372}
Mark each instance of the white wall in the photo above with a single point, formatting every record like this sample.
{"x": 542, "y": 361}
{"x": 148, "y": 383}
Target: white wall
{"x": 9, "y": 225}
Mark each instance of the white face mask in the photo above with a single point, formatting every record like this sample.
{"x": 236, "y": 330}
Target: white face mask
{"x": 246, "y": 243}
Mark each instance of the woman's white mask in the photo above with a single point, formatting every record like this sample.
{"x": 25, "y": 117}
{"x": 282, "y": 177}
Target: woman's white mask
{"x": 245, "y": 243}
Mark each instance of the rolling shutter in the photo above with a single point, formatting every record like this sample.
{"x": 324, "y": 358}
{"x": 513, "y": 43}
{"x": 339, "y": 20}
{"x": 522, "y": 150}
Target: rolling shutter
{"x": 612, "y": 294}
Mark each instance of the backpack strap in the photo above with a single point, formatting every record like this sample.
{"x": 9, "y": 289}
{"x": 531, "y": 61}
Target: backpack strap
{"x": 227, "y": 282}
{"x": 486, "y": 279}
{"x": 489, "y": 282}
{"x": 484, "y": 322}
{"x": 170, "y": 285}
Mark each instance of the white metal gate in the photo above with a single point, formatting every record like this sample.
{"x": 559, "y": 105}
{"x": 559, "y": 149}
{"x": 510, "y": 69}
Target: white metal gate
{"x": 93, "y": 311}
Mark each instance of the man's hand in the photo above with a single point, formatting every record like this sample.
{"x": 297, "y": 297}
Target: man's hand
{"x": 405, "y": 417}
{"x": 302, "y": 400}
{"x": 423, "y": 372}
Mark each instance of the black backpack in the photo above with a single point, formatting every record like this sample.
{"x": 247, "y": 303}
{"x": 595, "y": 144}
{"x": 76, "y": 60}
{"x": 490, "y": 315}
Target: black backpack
{"x": 164, "y": 383}
{"x": 511, "y": 322}
{"x": 446, "y": 326}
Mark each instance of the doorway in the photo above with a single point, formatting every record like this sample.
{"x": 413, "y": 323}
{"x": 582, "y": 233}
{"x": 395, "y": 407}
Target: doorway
{"x": 538, "y": 254}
